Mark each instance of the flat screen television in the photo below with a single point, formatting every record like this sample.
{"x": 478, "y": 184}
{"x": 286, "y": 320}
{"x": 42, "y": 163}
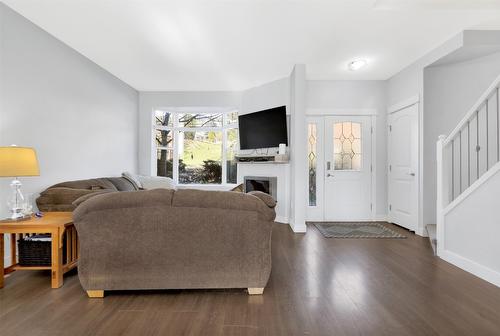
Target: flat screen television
{"x": 263, "y": 129}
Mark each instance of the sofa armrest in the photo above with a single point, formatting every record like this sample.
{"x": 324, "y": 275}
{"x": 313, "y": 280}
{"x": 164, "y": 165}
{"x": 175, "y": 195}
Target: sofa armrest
{"x": 60, "y": 198}
{"x": 266, "y": 198}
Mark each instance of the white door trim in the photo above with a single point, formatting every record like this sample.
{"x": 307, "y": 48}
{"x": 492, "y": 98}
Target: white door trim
{"x": 373, "y": 134}
{"x": 329, "y": 112}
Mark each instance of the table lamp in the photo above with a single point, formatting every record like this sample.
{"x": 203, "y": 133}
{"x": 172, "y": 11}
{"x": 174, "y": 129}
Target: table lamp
{"x": 15, "y": 162}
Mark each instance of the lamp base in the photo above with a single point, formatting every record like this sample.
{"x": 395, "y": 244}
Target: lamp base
{"x": 16, "y": 204}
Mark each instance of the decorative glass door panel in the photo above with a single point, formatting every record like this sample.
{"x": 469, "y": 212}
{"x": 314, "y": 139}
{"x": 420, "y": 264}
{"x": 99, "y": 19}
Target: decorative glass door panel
{"x": 347, "y": 193}
{"x": 312, "y": 157}
{"x": 347, "y": 145}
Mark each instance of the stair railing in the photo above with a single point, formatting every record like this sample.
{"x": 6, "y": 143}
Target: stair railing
{"x": 467, "y": 153}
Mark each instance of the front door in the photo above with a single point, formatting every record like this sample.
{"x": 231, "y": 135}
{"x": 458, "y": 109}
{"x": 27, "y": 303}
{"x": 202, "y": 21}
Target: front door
{"x": 403, "y": 163}
{"x": 348, "y": 166}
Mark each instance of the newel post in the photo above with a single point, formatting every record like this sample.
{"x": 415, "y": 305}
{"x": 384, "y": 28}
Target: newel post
{"x": 442, "y": 192}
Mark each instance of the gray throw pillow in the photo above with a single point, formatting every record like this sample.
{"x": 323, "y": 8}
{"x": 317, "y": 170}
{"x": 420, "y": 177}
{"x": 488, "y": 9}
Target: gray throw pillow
{"x": 132, "y": 179}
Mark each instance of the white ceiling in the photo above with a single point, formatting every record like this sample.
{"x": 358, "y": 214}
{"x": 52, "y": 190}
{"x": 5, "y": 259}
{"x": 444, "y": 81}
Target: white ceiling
{"x": 237, "y": 44}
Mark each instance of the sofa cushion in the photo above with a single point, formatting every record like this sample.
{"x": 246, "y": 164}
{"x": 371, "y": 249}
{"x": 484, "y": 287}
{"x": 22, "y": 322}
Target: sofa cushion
{"x": 221, "y": 200}
{"x": 122, "y": 184}
{"x": 266, "y": 198}
{"x": 60, "y": 198}
{"x": 132, "y": 178}
{"x": 89, "y": 184}
{"x": 156, "y": 182}
{"x": 125, "y": 200}
{"x": 85, "y": 197}
{"x": 238, "y": 188}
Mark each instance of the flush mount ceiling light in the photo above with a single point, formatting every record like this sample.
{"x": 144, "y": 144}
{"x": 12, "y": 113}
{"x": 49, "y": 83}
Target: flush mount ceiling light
{"x": 357, "y": 64}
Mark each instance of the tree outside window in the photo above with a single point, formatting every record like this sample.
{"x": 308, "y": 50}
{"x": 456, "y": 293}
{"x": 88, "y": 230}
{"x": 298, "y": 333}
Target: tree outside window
{"x": 196, "y": 148}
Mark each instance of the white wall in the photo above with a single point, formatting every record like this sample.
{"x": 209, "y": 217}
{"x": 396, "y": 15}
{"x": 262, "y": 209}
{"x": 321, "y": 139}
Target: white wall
{"x": 409, "y": 82}
{"x": 326, "y": 97}
{"x": 266, "y": 96}
{"x": 81, "y": 120}
{"x": 269, "y": 95}
{"x": 450, "y": 90}
{"x": 472, "y": 231}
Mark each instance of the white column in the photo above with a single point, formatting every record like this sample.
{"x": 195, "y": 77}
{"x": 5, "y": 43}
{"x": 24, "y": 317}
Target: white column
{"x": 442, "y": 193}
{"x": 298, "y": 149}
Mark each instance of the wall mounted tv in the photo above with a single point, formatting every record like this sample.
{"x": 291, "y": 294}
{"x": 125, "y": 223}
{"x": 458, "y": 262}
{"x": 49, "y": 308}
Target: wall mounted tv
{"x": 263, "y": 129}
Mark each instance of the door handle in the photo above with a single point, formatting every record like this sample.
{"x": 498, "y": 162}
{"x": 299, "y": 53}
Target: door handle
{"x": 411, "y": 174}
{"x": 329, "y": 175}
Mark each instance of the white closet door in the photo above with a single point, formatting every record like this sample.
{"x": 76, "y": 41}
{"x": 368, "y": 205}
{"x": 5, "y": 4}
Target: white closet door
{"x": 403, "y": 167}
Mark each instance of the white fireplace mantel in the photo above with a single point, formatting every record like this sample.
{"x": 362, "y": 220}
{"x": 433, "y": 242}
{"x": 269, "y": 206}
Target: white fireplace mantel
{"x": 271, "y": 169}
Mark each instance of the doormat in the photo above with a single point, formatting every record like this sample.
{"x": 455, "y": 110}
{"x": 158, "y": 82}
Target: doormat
{"x": 356, "y": 230}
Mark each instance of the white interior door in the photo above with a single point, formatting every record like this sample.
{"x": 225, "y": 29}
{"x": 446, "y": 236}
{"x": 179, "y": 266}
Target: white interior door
{"x": 348, "y": 158}
{"x": 403, "y": 167}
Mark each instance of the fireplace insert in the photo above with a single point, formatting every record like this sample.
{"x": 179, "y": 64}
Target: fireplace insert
{"x": 266, "y": 184}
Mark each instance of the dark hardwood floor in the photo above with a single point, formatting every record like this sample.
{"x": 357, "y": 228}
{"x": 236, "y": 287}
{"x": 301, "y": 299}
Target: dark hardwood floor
{"x": 318, "y": 286}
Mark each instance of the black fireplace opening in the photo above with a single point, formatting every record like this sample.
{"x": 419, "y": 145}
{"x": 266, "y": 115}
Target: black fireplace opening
{"x": 257, "y": 185}
{"x": 265, "y": 184}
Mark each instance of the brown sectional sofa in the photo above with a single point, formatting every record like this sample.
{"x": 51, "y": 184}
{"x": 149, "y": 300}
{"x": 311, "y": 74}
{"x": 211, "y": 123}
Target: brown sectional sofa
{"x": 61, "y": 196}
{"x": 174, "y": 239}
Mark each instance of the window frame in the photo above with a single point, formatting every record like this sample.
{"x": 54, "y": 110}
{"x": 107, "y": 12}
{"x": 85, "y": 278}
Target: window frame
{"x": 176, "y": 133}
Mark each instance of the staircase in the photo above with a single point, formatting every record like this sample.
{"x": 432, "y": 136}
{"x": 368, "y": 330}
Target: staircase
{"x": 431, "y": 232}
{"x": 468, "y": 189}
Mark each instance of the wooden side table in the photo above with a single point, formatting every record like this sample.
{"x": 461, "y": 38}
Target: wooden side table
{"x": 57, "y": 224}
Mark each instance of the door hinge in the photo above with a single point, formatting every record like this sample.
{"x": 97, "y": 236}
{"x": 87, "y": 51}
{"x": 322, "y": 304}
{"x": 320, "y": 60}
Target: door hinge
{"x": 390, "y": 207}
{"x": 390, "y": 128}
{"x": 371, "y": 168}
{"x": 371, "y": 206}
{"x": 371, "y": 129}
{"x": 390, "y": 167}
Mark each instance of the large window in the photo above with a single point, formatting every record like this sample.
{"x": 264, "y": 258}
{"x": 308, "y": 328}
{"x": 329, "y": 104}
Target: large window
{"x": 196, "y": 146}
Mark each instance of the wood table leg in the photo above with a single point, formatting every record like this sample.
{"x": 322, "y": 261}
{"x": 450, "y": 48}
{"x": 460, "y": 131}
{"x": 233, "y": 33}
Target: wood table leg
{"x": 57, "y": 272}
{"x": 1, "y": 260}
{"x": 13, "y": 245}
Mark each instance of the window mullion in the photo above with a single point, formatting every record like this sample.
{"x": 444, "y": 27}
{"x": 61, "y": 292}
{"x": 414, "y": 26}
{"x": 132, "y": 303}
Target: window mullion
{"x": 175, "y": 147}
{"x": 224, "y": 159}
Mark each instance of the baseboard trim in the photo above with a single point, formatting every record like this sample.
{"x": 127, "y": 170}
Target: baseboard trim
{"x": 298, "y": 229}
{"x": 282, "y": 220}
{"x": 421, "y": 232}
{"x": 470, "y": 266}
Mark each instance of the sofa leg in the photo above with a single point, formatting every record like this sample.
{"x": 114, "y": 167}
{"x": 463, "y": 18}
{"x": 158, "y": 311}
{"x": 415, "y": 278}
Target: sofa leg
{"x": 255, "y": 291}
{"x": 95, "y": 293}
